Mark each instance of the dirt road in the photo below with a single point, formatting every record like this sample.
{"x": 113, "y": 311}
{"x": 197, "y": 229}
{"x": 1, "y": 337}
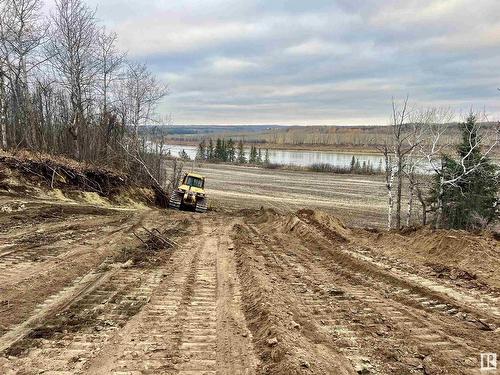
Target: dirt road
{"x": 84, "y": 291}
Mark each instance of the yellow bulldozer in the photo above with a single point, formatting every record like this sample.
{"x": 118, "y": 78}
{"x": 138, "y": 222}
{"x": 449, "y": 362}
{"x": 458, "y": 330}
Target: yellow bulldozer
{"x": 190, "y": 194}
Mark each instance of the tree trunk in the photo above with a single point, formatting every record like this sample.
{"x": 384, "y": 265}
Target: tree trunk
{"x": 399, "y": 189}
{"x": 3, "y": 117}
{"x": 389, "y": 178}
{"x": 410, "y": 204}
{"x": 439, "y": 213}
{"x": 73, "y": 130}
{"x": 423, "y": 204}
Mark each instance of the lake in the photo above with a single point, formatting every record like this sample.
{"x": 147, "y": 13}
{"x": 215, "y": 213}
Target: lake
{"x": 299, "y": 157}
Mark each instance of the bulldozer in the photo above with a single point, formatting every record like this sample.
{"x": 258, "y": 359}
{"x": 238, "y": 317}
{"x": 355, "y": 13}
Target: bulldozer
{"x": 190, "y": 194}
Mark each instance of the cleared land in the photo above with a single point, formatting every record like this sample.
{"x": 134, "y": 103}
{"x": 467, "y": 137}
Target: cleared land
{"x": 357, "y": 200}
{"x": 105, "y": 289}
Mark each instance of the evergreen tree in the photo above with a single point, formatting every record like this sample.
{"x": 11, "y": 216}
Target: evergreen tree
{"x": 266, "y": 157}
{"x": 253, "y": 155}
{"x": 259, "y": 156}
{"x": 231, "y": 152}
{"x": 357, "y": 165}
{"x": 353, "y": 163}
{"x": 183, "y": 155}
{"x": 241, "y": 153}
{"x": 219, "y": 150}
{"x": 471, "y": 201}
{"x": 223, "y": 155}
{"x": 210, "y": 150}
{"x": 201, "y": 154}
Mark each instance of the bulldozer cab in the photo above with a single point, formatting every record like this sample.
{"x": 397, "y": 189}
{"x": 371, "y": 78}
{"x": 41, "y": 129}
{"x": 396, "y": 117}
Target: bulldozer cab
{"x": 190, "y": 194}
{"x": 193, "y": 180}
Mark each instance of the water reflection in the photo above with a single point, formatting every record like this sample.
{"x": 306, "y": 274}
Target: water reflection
{"x": 298, "y": 157}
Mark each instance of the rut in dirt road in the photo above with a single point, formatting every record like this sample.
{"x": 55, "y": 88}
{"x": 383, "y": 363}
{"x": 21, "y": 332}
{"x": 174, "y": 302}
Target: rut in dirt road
{"x": 310, "y": 289}
{"x": 251, "y": 293}
{"x": 193, "y": 323}
{"x": 179, "y": 316}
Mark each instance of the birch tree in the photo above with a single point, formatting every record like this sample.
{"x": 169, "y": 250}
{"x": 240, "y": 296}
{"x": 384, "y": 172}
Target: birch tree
{"x": 22, "y": 32}
{"x": 466, "y": 165}
{"x": 73, "y": 51}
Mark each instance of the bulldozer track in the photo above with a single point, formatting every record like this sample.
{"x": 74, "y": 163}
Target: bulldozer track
{"x": 412, "y": 289}
{"x": 327, "y": 290}
{"x": 71, "y": 337}
{"x": 248, "y": 294}
{"x": 184, "y": 327}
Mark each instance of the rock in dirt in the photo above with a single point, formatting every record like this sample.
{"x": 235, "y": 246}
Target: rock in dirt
{"x": 335, "y": 292}
{"x": 363, "y": 366}
{"x": 304, "y": 363}
{"x": 272, "y": 342}
{"x": 295, "y": 325}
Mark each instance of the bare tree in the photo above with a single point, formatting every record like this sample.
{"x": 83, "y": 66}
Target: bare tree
{"x": 423, "y": 123}
{"x": 400, "y": 136}
{"x": 3, "y": 105}
{"x": 73, "y": 51}
{"x": 110, "y": 60}
{"x": 22, "y": 32}
{"x": 140, "y": 93}
{"x": 432, "y": 151}
{"x": 389, "y": 180}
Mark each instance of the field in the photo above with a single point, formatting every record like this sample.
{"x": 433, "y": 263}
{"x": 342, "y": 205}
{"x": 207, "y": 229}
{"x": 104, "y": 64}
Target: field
{"x": 357, "y": 200}
{"x": 90, "y": 286}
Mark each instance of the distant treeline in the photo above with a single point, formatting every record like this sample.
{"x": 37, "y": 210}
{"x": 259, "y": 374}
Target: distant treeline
{"x": 342, "y": 136}
{"x": 229, "y": 151}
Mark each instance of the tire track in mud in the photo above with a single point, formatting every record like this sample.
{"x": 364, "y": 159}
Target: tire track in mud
{"x": 27, "y": 254}
{"x": 413, "y": 289}
{"x": 372, "y": 303}
{"x": 313, "y": 301}
{"x": 148, "y": 344}
{"x": 65, "y": 331}
{"x": 184, "y": 328}
{"x": 66, "y": 341}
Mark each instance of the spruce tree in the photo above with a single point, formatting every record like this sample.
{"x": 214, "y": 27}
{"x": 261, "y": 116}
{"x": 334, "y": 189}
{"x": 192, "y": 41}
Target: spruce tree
{"x": 259, "y": 156}
{"x": 253, "y": 155}
{"x": 353, "y": 163}
{"x": 231, "y": 152}
{"x": 241, "y": 153}
{"x": 219, "y": 151}
{"x": 183, "y": 155}
{"x": 266, "y": 157}
{"x": 471, "y": 201}
{"x": 210, "y": 150}
{"x": 201, "y": 154}
{"x": 357, "y": 166}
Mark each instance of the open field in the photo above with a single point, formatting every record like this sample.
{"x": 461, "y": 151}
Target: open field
{"x": 101, "y": 288}
{"x": 357, "y": 200}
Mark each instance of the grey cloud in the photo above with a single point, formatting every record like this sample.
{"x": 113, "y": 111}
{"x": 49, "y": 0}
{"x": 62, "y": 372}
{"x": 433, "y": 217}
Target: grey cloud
{"x": 306, "y": 62}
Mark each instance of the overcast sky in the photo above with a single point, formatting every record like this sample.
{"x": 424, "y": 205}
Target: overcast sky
{"x": 312, "y": 61}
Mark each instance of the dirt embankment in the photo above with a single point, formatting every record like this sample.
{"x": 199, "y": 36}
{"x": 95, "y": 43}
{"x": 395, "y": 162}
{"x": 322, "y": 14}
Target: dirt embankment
{"x": 44, "y": 176}
{"x": 466, "y": 258}
{"x": 321, "y": 300}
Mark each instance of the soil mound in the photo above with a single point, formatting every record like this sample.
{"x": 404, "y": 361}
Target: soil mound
{"x": 465, "y": 253}
{"x": 331, "y": 226}
{"x": 58, "y": 173}
{"x": 58, "y": 178}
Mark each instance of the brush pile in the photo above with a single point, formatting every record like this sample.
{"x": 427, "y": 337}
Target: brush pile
{"x": 62, "y": 173}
